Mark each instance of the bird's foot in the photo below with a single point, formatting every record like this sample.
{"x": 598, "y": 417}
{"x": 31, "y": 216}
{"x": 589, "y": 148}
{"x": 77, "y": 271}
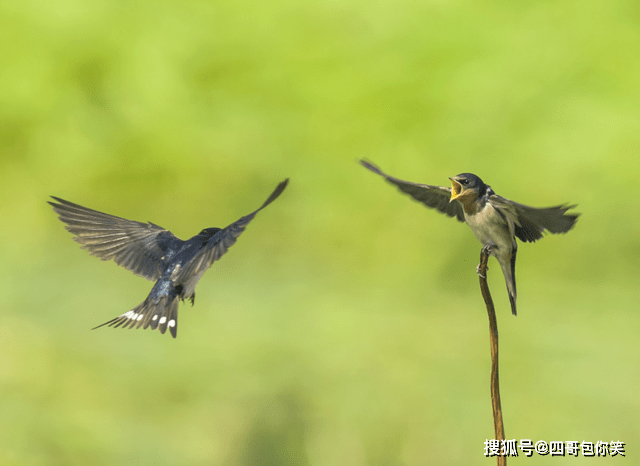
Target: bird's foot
{"x": 486, "y": 250}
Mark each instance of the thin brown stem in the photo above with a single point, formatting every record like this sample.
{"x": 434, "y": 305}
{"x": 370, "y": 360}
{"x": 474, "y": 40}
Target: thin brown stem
{"x": 493, "y": 331}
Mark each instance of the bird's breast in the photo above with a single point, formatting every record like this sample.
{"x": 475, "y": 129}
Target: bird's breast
{"x": 490, "y": 227}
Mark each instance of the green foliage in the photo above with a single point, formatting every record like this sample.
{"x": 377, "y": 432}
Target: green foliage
{"x": 346, "y": 326}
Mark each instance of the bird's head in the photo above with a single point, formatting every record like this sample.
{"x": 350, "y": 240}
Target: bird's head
{"x": 207, "y": 233}
{"x": 466, "y": 188}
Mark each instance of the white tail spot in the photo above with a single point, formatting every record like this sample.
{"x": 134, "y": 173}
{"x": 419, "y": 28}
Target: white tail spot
{"x": 172, "y": 323}
{"x": 162, "y": 320}
{"x": 139, "y": 317}
{"x": 155, "y": 317}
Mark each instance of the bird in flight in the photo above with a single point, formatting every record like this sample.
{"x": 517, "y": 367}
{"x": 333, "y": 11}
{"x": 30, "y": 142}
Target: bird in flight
{"x": 154, "y": 253}
{"x": 495, "y": 221}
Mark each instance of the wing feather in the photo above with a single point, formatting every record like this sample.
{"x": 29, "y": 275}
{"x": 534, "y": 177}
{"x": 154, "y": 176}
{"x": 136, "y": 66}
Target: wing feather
{"x": 532, "y": 222}
{"x": 138, "y": 247}
{"x": 435, "y": 197}
{"x": 219, "y": 243}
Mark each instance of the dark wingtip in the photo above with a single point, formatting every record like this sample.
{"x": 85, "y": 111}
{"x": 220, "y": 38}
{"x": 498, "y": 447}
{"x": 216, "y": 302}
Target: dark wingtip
{"x": 276, "y": 192}
{"x": 53, "y": 204}
{"x": 366, "y": 164}
{"x": 62, "y": 203}
{"x": 571, "y": 217}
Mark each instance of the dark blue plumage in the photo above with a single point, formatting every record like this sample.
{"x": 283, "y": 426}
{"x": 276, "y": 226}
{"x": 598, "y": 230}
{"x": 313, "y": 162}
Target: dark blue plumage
{"x": 152, "y": 252}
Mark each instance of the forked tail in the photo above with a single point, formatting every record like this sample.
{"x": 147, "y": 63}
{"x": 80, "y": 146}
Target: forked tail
{"x": 161, "y": 313}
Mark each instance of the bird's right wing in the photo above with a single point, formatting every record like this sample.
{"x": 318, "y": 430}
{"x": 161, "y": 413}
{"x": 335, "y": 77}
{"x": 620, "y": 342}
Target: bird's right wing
{"x": 435, "y": 197}
{"x": 138, "y": 247}
{"x": 220, "y": 243}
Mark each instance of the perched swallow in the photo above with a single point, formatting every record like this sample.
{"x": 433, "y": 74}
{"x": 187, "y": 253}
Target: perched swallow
{"x": 494, "y": 220}
{"x": 154, "y": 253}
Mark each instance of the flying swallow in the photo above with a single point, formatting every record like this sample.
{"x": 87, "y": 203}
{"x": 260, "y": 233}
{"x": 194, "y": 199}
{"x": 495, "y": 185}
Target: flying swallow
{"x": 495, "y": 221}
{"x": 154, "y": 253}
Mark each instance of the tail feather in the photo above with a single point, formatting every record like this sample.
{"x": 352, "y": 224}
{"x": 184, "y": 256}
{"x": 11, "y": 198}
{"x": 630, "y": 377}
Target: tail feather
{"x": 512, "y": 300}
{"x": 158, "y": 314}
{"x": 508, "y": 266}
{"x": 167, "y": 317}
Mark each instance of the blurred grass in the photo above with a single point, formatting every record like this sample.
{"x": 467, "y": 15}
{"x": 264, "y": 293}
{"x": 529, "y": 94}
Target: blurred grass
{"x": 346, "y": 326}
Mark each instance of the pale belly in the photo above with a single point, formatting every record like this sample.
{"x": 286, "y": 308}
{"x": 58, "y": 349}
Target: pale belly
{"x": 491, "y": 230}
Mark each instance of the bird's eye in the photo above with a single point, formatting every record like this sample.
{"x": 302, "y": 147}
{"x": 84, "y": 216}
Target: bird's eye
{"x": 464, "y": 182}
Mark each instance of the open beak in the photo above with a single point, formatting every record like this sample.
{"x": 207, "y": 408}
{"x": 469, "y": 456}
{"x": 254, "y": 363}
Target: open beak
{"x": 456, "y": 190}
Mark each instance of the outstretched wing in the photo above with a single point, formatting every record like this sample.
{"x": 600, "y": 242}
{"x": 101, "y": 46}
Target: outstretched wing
{"x": 435, "y": 197}
{"x": 222, "y": 240}
{"x": 531, "y": 222}
{"x": 138, "y": 247}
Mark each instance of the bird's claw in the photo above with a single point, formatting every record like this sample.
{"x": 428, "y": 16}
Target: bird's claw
{"x": 486, "y": 250}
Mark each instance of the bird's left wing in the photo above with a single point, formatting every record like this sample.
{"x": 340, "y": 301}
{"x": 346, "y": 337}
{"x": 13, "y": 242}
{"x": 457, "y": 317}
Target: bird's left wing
{"x": 221, "y": 242}
{"x": 138, "y": 247}
{"x": 531, "y": 222}
{"x": 436, "y": 197}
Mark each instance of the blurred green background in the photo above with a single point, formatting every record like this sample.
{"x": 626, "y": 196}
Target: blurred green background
{"x": 346, "y": 326}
